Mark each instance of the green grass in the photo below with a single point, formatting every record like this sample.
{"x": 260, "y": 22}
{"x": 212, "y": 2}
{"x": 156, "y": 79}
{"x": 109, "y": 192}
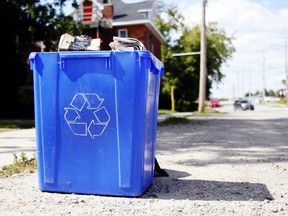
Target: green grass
{"x": 161, "y": 112}
{"x": 6, "y": 125}
{"x": 282, "y": 101}
{"x": 174, "y": 121}
{"x": 20, "y": 165}
{"x": 208, "y": 110}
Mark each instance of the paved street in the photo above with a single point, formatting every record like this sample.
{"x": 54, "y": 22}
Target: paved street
{"x": 219, "y": 164}
{"x": 266, "y": 111}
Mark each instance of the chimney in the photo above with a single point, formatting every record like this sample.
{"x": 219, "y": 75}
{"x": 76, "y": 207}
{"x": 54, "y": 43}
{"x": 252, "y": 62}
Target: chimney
{"x": 108, "y": 11}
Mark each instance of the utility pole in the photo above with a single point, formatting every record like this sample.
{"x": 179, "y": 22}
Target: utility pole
{"x": 264, "y": 93}
{"x": 203, "y": 66}
{"x": 286, "y": 69}
{"x": 249, "y": 93}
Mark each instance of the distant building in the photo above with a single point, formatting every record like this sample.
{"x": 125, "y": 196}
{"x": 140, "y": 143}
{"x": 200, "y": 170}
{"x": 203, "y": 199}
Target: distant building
{"x": 115, "y": 18}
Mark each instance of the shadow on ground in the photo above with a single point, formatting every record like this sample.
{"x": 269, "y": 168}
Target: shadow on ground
{"x": 206, "y": 190}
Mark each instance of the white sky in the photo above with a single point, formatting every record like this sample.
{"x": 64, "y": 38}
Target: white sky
{"x": 260, "y": 28}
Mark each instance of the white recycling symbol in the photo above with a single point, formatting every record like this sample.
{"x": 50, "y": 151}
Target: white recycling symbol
{"x": 86, "y": 115}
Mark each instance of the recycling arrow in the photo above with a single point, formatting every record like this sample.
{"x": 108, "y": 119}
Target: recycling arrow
{"x": 86, "y": 115}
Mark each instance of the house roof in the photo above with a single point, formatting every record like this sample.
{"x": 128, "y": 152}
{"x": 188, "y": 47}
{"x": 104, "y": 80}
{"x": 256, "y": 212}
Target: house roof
{"x": 130, "y": 12}
{"x": 135, "y": 14}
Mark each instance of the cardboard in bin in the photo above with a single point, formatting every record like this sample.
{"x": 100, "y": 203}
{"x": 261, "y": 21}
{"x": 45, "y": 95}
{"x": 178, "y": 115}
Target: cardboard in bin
{"x": 96, "y": 119}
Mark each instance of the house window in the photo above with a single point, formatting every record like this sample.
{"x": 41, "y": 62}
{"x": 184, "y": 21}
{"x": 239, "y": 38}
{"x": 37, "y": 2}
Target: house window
{"x": 122, "y": 33}
{"x": 146, "y": 13}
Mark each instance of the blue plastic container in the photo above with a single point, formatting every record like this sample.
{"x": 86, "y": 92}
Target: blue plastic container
{"x": 96, "y": 119}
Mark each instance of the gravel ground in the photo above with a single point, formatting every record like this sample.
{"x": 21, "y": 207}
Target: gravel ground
{"x": 226, "y": 164}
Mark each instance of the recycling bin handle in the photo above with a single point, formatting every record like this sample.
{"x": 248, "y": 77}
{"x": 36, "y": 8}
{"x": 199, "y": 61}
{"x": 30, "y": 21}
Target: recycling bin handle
{"x": 84, "y": 55}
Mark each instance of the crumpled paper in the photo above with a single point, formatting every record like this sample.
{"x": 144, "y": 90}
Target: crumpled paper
{"x": 126, "y": 44}
{"x": 78, "y": 43}
{"x": 83, "y": 42}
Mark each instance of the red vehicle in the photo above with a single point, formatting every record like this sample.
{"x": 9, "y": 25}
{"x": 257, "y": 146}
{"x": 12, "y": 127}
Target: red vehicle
{"x": 214, "y": 102}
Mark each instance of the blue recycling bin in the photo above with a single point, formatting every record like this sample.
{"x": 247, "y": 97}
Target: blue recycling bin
{"x": 96, "y": 120}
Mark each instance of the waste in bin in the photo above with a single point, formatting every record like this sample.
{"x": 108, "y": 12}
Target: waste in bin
{"x": 96, "y": 119}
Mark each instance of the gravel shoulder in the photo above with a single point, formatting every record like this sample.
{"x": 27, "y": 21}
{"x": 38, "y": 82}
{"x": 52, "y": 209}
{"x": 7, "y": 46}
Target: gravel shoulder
{"x": 226, "y": 164}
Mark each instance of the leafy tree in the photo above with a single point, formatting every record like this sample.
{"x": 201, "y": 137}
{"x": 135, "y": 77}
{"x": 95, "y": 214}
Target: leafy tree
{"x": 169, "y": 21}
{"x": 219, "y": 49}
{"x": 268, "y": 92}
{"x": 183, "y": 72}
{"x": 26, "y": 22}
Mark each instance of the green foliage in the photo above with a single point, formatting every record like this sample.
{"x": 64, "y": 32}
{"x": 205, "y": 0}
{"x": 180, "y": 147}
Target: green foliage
{"x": 269, "y": 92}
{"x": 219, "y": 49}
{"x": 183, "y": 72}
{"x": 25, "y": 23}
{"x": 168, "y": 21}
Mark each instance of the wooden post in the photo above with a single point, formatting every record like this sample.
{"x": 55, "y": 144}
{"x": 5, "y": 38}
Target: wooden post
{"x": 203, "y": 69}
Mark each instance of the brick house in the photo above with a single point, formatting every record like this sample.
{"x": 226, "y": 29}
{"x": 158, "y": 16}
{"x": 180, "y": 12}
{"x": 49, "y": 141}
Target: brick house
{"x": 115, "y": 18}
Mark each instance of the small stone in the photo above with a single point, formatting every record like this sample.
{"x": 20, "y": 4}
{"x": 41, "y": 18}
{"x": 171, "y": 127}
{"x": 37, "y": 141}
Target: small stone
{"x": 275, "y": 209}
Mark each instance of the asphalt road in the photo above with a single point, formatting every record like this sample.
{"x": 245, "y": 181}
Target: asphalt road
{"x": 231, "y": 163}
{"x": 262, "y": 111}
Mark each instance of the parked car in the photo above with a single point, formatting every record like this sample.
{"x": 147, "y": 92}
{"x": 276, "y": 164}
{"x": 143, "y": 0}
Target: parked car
{"x": 243, "y": 104}
{"x": 214, "y": 102}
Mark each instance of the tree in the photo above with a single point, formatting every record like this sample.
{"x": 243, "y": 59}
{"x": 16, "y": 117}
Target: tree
{"x": 169, "y": 21}
{"x": 183, "y": 72}
{"x": 219, "y": 49}
{"x": 26, "y": 23}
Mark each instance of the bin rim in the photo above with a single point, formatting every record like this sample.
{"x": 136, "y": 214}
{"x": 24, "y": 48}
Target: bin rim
{"x": 158, "y": 65}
